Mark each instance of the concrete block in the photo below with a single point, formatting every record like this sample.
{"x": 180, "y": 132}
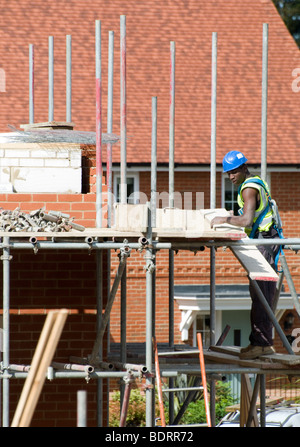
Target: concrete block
{"x": 42, "y": 180}
{"x": 131, "y": 217}
{"x": 171, "y": 218}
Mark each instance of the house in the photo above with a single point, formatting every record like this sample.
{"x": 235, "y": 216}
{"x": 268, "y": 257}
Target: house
{"x": 43, "y": 280}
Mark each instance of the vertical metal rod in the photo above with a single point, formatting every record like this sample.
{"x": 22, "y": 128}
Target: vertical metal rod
{"x": 203, "y": 375}
{"x": 123, "y": 325}
{"x": 159, "y": 384}
{"x": 172, "y": 124}
{"x": 252, "y": 408}
{"x": 264, "y": 102}
{"x": 212, "y": 206}
{"x": 99, "y": 298}
{"x": 98, "y": 349}
{"x": 98, "y": 127}
{"x": 153, "y": 210}
{"x": 109, "y": 168}
{"x": 81, "y": 408}
{"x": 123, "y": 185}
{"x": 6, "y": 327}
{"x": 262, "y": 400}
{"x": 149, "y": 316}
{"x": 154, "y": 162}
{"x": 110, "y": 125}
{"x": 290, "y": 282}
{"x": 51, "y": 78}
{"x": 129, "y": 381}
{"x": 31, "y": 83}
{"x": 171, "y": 205}
{"x": 213, "y": 122}
{"x": 69, "y": 79}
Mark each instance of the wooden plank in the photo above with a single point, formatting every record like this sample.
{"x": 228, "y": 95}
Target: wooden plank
{"x": 262, "y": 363}
{"x": 254, "y": 263}
{"x": 232, "y": 350}
{"x": 286, "y": 359}
{"x": 41, "y": 360}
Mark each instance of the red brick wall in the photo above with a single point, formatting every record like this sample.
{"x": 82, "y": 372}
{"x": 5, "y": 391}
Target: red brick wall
{"x": 47, "y": 280}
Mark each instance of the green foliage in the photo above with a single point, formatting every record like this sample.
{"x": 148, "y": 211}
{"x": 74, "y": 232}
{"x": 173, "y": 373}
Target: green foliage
{"x": 194, "y": 414}
{"x": 136, "y": 415}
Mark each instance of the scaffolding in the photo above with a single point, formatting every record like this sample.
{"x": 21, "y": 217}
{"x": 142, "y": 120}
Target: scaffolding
{"x": 148, "y": 241}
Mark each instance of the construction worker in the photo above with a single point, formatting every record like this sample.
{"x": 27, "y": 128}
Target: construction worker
{"x": 257, "y": 219}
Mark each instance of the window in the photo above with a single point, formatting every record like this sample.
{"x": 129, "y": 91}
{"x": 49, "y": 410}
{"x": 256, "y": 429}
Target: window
{"x": 230, "y": 196}
{"x": 203, "y": 326}
{"x": 132, "y": 188}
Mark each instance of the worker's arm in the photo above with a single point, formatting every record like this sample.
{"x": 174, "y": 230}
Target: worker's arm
{"x": 246, "y": 219}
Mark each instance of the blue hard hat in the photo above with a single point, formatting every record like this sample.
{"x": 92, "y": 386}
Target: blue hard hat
{"x": 233, "y": 160}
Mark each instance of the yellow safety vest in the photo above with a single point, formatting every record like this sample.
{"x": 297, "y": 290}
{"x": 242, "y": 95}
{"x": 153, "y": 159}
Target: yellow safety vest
{"x": 263, "y": 204}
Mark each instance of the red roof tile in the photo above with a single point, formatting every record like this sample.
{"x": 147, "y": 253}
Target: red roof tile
{"x": 150, "y": 28}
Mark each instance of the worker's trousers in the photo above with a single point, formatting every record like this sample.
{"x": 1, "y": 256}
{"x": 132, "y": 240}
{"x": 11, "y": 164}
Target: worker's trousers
{"x": 261, "y": 325}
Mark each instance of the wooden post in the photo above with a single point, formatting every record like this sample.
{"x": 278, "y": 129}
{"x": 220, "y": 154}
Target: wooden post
{"x": 41, "y": 360}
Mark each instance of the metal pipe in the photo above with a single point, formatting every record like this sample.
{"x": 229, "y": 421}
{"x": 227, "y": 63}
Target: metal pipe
{"x": 109, "y": 182}
{"x": 98, "y": 126}
{"x": 252, "y": 409}
{"x": 213, "y": 122}
{"x": 203, "y": 375}
{"x": 125, "y": 252}
{"x": 128, "y": 385}
{"x": 154, "y": 162}
{"x": 263, "y": 400}
{"x": 272, "y": 317}
{"x": 159, "y": 384}
{"x": 149, "y": 327}
{"x": 154, "y": 244}
{"x": 123, "y": 124}
{"x": 69, "y": 79}
{"x": 171, "y": 205}
{"x": 51, "y": 78}
{"x": 110, "y": 126}
{"x": 81, "y": 408}
{"x": 99, "y": 348}
{"x": 123, "y": 312}
{"x": 290, "y": 282}
{"x": 213, "y": 206}
{"x": 31, "y": 83}
{"x": 264, "y": 102}
{"x": 6, "y": 326}
{"x": 172, "y": 125}
{"x": 73, "y": 367}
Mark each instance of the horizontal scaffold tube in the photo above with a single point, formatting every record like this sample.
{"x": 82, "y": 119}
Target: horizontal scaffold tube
{"x": 53, "y": 245}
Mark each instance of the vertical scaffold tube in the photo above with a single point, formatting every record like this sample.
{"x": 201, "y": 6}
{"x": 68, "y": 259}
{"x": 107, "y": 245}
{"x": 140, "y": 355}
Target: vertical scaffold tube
{"x": 123, "y": 185}
{"x": 51, "y": 78}
{"x": 6, "y": 327}
{"x": 264, "y": 102}
{"x": 98, "y": 127}
{"x": 213, "y": 206}
{"x": 69, "y": 78}
{"x": 31, "y": 84}
{"x": 171, "y": 205}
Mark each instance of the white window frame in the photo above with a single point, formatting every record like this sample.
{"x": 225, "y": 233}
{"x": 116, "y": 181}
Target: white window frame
{"x": 136, "y": 186}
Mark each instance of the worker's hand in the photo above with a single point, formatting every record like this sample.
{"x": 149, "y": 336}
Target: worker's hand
{"x": 218, "y": 220}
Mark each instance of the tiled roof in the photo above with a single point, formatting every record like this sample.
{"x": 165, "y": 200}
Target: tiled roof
{"x": 150, "y": 27}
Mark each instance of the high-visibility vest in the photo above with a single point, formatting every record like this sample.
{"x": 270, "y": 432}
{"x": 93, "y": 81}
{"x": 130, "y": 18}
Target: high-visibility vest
{"x": 267, "y": 220}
